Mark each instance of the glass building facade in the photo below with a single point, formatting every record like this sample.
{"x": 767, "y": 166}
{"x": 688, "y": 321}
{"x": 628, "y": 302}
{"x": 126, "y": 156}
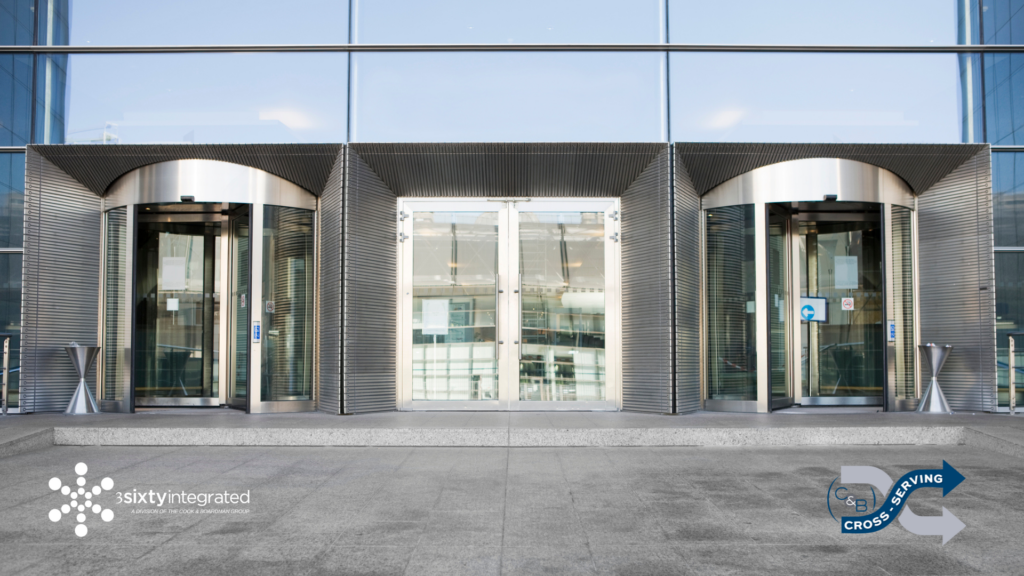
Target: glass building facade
{"x": 212, "y": 95}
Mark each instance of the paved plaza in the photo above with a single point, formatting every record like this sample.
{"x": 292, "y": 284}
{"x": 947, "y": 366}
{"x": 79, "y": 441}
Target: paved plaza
{"x": 478, "y": 511}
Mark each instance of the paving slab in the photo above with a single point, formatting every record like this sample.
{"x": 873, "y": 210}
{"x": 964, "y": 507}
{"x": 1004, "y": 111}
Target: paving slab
{"x": 560, "y": 510}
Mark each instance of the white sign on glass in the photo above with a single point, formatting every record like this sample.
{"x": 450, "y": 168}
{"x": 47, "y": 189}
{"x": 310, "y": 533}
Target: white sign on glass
{"x": 172, "y": 273}
{"x": 846, "y": 273}
{"x": 435, "y": 316}
{"x": 172, "y": 304}
{"x": 848, "y": 304}
{"x": 813, "y": 309}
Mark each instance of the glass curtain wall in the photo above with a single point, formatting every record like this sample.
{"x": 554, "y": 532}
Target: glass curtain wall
{"x": 778, "y": 303}
{"x": 731, "y": 315}
{"x": 115, "y": 307}
{"x": 1008, "y": 214}
{"x": 903, "y": 301}
{"x": 12, "y": 237}
{"x": 286, "y": 363}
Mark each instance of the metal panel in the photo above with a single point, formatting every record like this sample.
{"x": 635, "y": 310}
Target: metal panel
{"x": 647, "y": 290}
{"x": 508, "y": 169}
{"x": 329, "y": 296}
{"x": 920, "y": 165}
{"x": 60, "y": 295}
{"x": 957, "y": 280}
{"x": 308, "y": 165}
{"x": 205, "y": 181}
{"x": 688, "y": 290}
{"x": 369, "y": 295}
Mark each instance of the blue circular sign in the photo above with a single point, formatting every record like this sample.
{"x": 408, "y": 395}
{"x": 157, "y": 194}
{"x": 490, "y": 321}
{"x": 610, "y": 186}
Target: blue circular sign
{"x": 807, "y": 312}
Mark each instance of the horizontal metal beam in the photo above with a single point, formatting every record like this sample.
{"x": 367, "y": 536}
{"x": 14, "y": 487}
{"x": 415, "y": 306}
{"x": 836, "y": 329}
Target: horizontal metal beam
{"x": 996, "y": 148}
{"x": 952, "y": 49}
{"x": 12, "y": 148}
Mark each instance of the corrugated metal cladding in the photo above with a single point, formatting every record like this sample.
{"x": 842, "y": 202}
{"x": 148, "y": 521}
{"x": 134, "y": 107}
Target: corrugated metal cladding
{"x": 308, "y": 165}
{"x": 369, "y": 292}
{"x": 513, "y": 169}
{"x": 61, "y": 276}
{"x": 688, "y": 291}
{"x": 920, "y": 165}
{"x": 329, "y": 297}
{"x": 957, "y": 282}
{"x": 647, "y": 290}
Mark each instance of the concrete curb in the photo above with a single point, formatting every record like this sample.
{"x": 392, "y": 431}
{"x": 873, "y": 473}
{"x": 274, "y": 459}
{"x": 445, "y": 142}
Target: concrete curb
{"x": 980, "y": 439}
{"x": 27, "y": 443}
{"x": 511, "y": 437}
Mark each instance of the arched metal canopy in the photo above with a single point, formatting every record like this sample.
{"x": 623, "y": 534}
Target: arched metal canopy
{"x": 920, "y": 165}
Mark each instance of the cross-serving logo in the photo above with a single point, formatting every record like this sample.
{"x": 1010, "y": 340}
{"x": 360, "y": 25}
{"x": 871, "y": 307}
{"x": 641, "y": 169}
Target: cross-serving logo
{"x": 81, "y": 500}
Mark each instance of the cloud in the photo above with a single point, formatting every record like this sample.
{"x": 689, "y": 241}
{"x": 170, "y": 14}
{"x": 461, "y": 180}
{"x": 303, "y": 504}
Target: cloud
{"x": 290, "y": 117}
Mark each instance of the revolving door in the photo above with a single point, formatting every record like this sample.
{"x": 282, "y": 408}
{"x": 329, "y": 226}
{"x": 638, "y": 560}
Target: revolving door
{"x": 810, "y": 285}
{"x": 208, "y": 303}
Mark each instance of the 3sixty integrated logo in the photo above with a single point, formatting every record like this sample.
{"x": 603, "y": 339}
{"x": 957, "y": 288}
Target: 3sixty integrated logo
{"x": 81, "y": 500}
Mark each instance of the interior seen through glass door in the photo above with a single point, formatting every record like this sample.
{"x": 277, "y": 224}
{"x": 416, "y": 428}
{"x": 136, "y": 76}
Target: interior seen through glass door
{"x": 177, "y": 310}
{"x": 455, "y": 267}
{"x": 562, "y": 282}
{"x": 842, "y": 292}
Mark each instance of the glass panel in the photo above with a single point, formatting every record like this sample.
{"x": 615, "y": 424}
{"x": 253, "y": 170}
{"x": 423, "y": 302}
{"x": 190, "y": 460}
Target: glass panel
{"x": 842, "y": 263}
{"x": 562, "y": 270}
{"x": 239, "y": 367}
{"x": 115, "y": 283}
{"x": 51, "y": 98}
{"x": 156, "y": 22}
{"x": 455, "y": 267}
{"x": 209, "y": 98}
{"x": 903, "y": 292}
{"x": 732, "y": 320}
{"x": 816, "y": 97}
{"x": 1002, "y": 21}
{"x": 813, "y": 22}
{"x": 177, "y": 308}
{"x": 53, "y": 22}
{"x": 1008, "y": 199}
{"x": 286, "y": 364}
{"x": 1009, "y": 317}
{"x": 17, "y": 18}
{"x": 12, "y": 200}
{"x": 508, "y": 97}
{"x": 778, "y": 304}
{"x": 15, "y": 99}
{"x": 1004, "y": 109}
{"x": 10, "y": 319}
{"x": 508, "y": 21}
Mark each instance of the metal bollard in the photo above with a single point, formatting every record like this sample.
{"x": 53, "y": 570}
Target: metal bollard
{"x": 1013, "y": 371}
{"x": 7, "y": 366}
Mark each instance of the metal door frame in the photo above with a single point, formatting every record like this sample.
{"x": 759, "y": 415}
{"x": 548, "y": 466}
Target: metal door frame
{"x": 508, "y": 317}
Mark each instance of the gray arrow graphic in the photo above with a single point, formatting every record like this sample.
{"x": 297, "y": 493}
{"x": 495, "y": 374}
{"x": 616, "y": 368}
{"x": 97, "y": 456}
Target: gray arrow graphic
{"x": 946, "y": 525}
{"x": 866, "y": 475}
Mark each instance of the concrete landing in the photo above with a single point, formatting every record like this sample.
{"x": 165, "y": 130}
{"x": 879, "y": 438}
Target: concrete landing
{"x": 803, "y": 427}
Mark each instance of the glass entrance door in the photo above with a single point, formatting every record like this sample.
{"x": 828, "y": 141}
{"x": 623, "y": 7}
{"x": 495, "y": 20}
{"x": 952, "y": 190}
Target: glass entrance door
{"x": 255, "y": 353}
{"x": 177, "y": 310}
{"x": 842, "y": 332}
{"x": 835, "y": 254}
{"x": 509, "y": 305}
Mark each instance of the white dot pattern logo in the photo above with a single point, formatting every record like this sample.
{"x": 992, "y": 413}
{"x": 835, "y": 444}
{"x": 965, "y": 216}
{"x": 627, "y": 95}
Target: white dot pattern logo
{"x": 79, "y": 508}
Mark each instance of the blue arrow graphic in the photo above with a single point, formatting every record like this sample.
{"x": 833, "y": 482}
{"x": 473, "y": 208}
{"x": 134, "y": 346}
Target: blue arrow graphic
{"x": 947, "y": 479}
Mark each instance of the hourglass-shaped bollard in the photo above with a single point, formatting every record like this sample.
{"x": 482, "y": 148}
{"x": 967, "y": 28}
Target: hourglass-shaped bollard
{"x": 82, "y": 357}
{"x": 933, "y": 401}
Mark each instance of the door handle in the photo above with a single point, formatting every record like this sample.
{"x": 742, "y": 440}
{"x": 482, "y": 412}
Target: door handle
{"x": 519, "y": 341}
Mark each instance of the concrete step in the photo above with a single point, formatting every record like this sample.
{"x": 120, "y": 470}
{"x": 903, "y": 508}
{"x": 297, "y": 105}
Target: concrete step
{"x": 512, "y": 437}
